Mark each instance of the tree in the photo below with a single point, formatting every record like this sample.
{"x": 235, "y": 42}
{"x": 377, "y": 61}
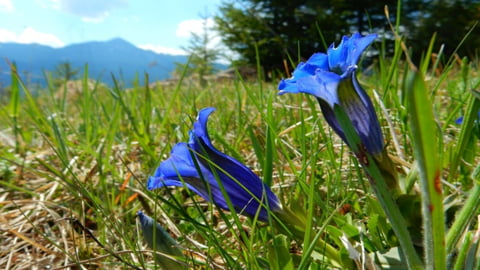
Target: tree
{"x": 291, "y": 30}
{"x": 64, "y": 73}
{"x": 287, "y": 29}
{"x": 202, "y": 52}
{"x": 451, "y": 21}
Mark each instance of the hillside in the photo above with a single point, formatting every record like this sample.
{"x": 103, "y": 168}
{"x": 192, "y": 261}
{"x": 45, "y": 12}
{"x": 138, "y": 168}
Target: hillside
{"x": 115, "y": 56}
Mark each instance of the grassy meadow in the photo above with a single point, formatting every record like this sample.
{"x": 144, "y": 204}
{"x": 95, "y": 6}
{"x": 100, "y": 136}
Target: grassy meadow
{"x": 74, "y": 166}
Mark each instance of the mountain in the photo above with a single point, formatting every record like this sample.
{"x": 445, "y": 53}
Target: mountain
{"x": 116, "y": 56}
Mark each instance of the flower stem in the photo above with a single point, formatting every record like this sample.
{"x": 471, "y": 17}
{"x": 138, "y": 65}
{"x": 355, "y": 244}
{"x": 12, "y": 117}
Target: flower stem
{"x": 395, "y": 217}
{"x": 296, "y": 226}
{"x": 378, "y": 180}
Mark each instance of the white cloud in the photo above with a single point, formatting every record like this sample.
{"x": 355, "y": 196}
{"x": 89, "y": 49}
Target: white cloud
{"x": 131, "y": 19}
{"x": 55, "y": 3}
{"x": 7, "y": 36}
{"x": 93, "y": 11}
{"x": 186, "y": 28}
{"x": 198, "y": 26}
{"x": 98, "y": 19}
{"x": 6, "y": 5}
{"x": 161, "y": 49}
{"x": 30, "y": 35}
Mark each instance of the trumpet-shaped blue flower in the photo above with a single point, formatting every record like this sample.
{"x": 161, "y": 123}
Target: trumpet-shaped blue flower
{"x": 331, "y": 78}
{"x": 202, "y": 168}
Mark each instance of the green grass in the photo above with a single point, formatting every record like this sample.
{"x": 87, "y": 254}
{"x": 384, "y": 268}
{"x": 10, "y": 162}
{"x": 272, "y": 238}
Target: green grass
{"x": 84, "y": 158}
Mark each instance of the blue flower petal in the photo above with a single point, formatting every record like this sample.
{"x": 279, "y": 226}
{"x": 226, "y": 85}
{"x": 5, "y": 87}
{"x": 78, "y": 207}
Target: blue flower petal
{"x": 232, "y": 171}
{"x": 322, "y": 85}
{"x": 200, "y": 126}
{"x": 459, "y": 120}
{"x": 180, "y": 170}
{"x": 359, "y": 108}
{"x": 304, "y": 70}
{"x": 288, "y": 86}
{"x": 180, "y": 161}
{"x": 331, "y": 78}
{"x": 359, "y": 45}
{"x": 337, "y": 57}
{"x": 317, "y": 60}
{"x": 211, "y": 167}
{"x": 347, "y": 54}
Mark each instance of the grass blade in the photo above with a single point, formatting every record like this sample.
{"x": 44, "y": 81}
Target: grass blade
{"x": 465, "y": 134}
{"x": 426, "y": 153}
{"x": 382, "y": 192}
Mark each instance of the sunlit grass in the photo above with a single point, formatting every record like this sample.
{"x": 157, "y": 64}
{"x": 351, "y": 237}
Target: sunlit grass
{"x": 76, "y": 162}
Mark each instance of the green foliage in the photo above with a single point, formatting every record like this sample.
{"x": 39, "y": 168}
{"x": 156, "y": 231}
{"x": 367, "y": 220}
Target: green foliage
{"x": 427, "y": 156}
{"x": 283, "y": 31}
{"x": 63, "y": 73}
{"x": 85, "y": 160}
{"x": 203, "y": 55}
{"x": 451, "y": 21}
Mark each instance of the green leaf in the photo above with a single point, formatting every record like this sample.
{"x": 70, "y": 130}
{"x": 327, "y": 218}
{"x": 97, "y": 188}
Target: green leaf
{"x": 476, "y": 93}
{"x": 15, "y": 92}
{"x": 383, "y": 194}
{"x": 279, "y": 254}
{"x": 472, "y": 261}
{"x": 425, "y": 142}
{"x": 13, "y": 105}
{"x": 466, "y": 132}
{"x": 391, "y": 260}
{"x": 168, "y": 254}
{"x": 463, "y": 252}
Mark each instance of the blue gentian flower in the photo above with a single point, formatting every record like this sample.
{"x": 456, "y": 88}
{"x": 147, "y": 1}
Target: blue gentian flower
{"x": 460, "y": 119}
{"x": 476, "y": 124}
{"x": 199, "y": 166}
{"x": 332, "y": 80}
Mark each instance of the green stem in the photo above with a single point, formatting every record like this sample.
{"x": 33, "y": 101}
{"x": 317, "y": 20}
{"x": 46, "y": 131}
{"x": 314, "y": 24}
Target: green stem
{"x": 464, "y": 217}
{"x": 464, "y": 136}
{"x": 378, "y": 179}
{"x": 426, "y": 152}
{"x": 394, "y": 215}
{"x": 295, "y": 225}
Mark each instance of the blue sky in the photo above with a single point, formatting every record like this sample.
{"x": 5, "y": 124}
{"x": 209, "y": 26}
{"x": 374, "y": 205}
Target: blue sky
{"x": 158, "y": 25}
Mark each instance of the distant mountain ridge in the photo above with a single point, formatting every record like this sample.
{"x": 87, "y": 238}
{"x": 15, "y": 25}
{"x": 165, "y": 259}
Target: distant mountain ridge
{"x": 116, "y": 56}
